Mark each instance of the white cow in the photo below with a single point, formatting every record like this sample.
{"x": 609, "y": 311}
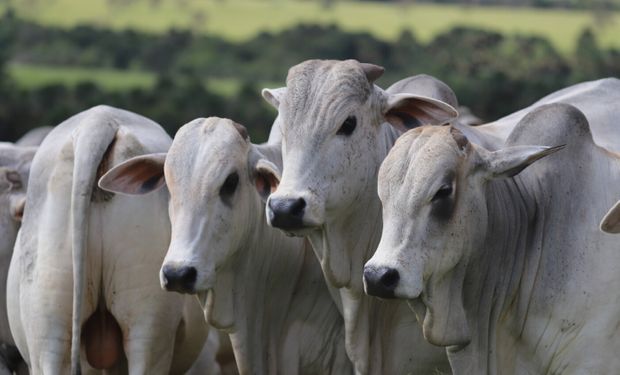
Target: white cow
{"x": 14, "y": 167}
{"x": 611, "y": 220}
{"x": 506, "y": 269}
{"x": 100, "y": 253}
{"x": 331, "y": 118}
{"x": 263, "y": 288}
{"x": 34, "y": 137}
{"x": 334, "y": 138}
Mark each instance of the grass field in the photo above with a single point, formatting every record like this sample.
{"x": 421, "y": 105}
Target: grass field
{"x": 242, "y": 19}
{"x": 30, "y": 76}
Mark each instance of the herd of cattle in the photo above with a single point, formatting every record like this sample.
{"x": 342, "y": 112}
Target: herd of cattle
{"x": 484, "y": 243}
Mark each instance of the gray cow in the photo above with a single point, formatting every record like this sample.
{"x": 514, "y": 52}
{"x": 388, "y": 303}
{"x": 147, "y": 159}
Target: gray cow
{"x": 336, "y": 127}
{"x": 335, "y": 133}
{"x": 503, "y": 262}
{"x": 14, "y": 167}
{"x": 82, "y": 287}
{"x": 15, "y": 162}
{"x": 264, "y": 289}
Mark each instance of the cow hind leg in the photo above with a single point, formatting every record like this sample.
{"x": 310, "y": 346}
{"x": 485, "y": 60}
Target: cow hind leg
{"x": 148, "y": 336}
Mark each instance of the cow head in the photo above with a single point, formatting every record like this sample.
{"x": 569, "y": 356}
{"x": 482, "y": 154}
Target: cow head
{"x": 611, "y": 221}
{"x": 330, "y": 120}
{"x": 432, "y": 186}
{"x": 216, "y": 179}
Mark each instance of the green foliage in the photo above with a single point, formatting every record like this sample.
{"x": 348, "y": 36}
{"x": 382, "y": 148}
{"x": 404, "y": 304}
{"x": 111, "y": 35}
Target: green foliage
{"x": 34, "y": 76}
{"x": 178, "y": 76}
{"x": 241, "y": 20}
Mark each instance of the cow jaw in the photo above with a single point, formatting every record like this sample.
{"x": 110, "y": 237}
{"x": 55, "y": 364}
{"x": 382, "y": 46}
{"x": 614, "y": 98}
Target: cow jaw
{"x": 218, "y": 302}
{"x": 335, "y": 260}
{"x": 444, "y": 321}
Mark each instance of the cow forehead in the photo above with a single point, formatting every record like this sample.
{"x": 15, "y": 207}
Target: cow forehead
{"x": 419, "y": 158}
{"x": 315, "y": 86}
{"x": 204, "y": 148}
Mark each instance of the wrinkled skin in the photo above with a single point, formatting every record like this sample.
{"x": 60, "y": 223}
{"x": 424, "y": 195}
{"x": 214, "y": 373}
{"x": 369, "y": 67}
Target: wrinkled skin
{"x": 502, "y": 259}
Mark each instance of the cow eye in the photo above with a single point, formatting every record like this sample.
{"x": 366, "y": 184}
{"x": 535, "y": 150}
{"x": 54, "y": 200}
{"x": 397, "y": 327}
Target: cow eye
{"x": 348, "y": 126}
{"x": 230, "y": 185}
{"x": 444, "y": 192}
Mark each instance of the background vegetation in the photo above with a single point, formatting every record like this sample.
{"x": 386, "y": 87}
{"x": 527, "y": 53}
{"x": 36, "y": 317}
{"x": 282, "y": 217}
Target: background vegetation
{"x": 175, "y": 60}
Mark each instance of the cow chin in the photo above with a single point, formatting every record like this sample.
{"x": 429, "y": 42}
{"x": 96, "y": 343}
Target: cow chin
{"x": 444, "y": 319}
{"x": 217, "y": 303}
{"x": 301, "y": 232}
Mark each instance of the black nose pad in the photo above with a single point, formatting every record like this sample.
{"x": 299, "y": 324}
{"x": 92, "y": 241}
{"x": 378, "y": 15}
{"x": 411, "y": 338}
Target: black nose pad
{"x": 179, "y": 279}
{"x": 287, "y": 213}
{"x": 381, "y": 282}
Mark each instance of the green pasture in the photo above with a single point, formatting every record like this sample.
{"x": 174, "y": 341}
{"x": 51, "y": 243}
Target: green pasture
{"x": 242, "y": 19}
{"x": 32, "y": 76}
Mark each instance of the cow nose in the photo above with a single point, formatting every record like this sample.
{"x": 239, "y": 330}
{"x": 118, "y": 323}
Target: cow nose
{"x": 179, "y": 279}
{"x": 286, "y": 213}
{"x": 381, "y": 282}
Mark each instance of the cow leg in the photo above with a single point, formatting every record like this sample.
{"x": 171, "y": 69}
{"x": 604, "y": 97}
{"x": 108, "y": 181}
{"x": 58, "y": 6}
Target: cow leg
{"x": 148, "y": 331}
{"x": 47, "y": 291}
{"x": 148, "y": 316}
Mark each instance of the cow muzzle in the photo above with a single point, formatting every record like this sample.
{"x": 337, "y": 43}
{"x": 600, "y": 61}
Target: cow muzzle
{"x": 286, "y": 213}
{"x": 294, "y": 214}
{"x": 181, "y": 279}
{"x": 381, "y": 282}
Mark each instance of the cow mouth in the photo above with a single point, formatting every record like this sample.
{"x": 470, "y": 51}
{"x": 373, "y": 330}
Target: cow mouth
{"x": 302, "y": 231}
{"x": 296, "y": 228}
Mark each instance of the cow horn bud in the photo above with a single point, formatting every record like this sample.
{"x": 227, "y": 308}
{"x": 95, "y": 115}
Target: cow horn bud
{"x": 372, "y": 71}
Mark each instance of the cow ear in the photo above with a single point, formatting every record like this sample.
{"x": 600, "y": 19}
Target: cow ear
{"x": 274, "y": 96}
{"x": 10, "y": 180}
{"x": 18, "y": 203}
{"x": 611, "y": 221}
{"x": 511, "y": 161}
{"x": 407, "y": 111}
{"x": 11, "y": 184}
{"x": 136, "y": 176}
{"x": 266, "y": 178}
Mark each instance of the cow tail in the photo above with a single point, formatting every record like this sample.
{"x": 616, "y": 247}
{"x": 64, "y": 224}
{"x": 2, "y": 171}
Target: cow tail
{"x": 90, "y": 145}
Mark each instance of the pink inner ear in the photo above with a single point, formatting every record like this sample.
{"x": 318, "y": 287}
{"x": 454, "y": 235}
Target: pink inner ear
{"x": 413, "y": 112}
{"x": 18, "y": 210}
{"x": 136, "y": 176}
{"x": 265, "y": 182}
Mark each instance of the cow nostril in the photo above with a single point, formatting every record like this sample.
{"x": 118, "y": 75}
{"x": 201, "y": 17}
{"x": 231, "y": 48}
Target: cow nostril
{"x": 286, "y": 213}
{"x": 179, "y": 279}
{"x": 297, "y": 208}
{"x": 381, "y": 282}
{"x": 189, "y": 275}
{"x": 390, "y": 278}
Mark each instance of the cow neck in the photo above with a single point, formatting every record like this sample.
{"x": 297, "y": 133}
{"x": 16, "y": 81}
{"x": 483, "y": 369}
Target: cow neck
{"x": 264, "y": 277}
{"x": 494, "y": 276}
{"x": 364, "y": 347}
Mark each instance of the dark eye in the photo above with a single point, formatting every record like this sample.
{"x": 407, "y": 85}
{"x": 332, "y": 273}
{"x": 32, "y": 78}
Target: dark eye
{"x": 348, "y": 126}
{"x": 229, "y": 186}
{"x": 444, "y": 192}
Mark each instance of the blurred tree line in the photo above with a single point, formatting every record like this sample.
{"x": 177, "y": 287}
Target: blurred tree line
{"x": 491, "y": 73}
{"x": 595, "y": 5}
